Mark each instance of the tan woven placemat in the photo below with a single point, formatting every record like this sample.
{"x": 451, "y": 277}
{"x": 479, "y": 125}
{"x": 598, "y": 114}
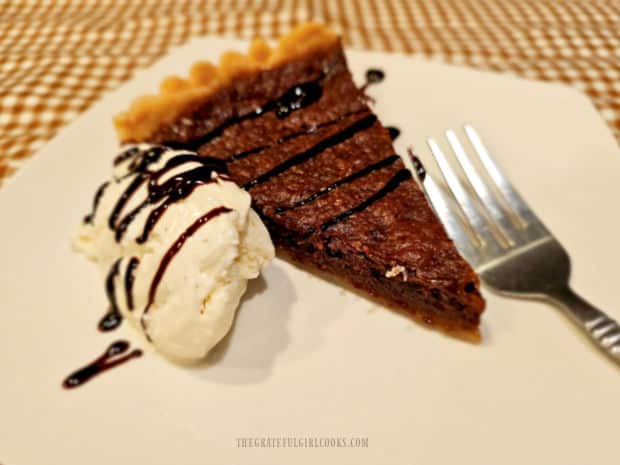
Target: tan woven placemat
{"x": 58, "y": 57}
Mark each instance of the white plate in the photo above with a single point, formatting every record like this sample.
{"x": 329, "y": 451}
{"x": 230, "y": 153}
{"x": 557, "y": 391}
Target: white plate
{"x": 307, "y": 358}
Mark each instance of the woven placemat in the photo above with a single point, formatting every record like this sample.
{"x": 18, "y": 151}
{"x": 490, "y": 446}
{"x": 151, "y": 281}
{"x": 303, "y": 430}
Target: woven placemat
{"x": 57, "y": 58}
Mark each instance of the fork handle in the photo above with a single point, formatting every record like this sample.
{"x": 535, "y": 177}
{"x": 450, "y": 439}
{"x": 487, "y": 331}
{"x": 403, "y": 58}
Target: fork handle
{"x": 603, "y": 330}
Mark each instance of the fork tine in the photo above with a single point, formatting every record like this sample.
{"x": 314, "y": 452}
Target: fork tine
{"x": 464, "y": 201}
{"x": 512, "y": 197}
{"x": 449, "y": 218}
{"x": 487, "y": 199}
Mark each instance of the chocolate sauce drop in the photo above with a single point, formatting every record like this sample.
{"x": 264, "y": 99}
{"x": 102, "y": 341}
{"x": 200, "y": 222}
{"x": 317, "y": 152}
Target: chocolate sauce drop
{"x": 110, "y": 358}
{"x": 420, "y": 171}
{"x": 394, "y": 132}
{"x": 374, "y": 76}
{"x": 110, "y": 321}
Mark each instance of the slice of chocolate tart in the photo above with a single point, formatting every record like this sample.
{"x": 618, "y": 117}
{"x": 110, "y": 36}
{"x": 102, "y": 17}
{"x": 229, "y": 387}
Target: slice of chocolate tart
{"x": 296, "y": 132}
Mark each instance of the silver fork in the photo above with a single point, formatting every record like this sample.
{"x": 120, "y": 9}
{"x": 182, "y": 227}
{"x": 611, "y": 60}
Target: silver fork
{"x": 504, "y": 240}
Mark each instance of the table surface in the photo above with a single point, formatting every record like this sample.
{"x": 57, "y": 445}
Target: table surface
{"x": 57, "y": 58}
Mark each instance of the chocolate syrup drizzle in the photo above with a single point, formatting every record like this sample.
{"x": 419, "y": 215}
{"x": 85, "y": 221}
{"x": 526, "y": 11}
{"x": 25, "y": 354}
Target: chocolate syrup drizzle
{"x": 393, "y": 183}
{"x": 129, "y": 279}
{"x": 113, "y": 318}
{"x": 310, "y": 130}
{"x": 295, "y": 98}
{"x": 174, "y": 249}
{"x": 373, "y": 76}
{"x": 174, "y": 190}
{"x": 126, "y": 155}
{"x": 247, "y": 153}
{"x": 110, "y": 358}
{"x": 124, "y": 198}
{"x": 98, "y": 194}
{"x": 171, "y": 191}
{"x": 282, "y": 106}
{"x": 143, "y": 160}
{"x": 352, "y": 177}
{"x": 138, "y": 166}
{"x": 338, "y": 138}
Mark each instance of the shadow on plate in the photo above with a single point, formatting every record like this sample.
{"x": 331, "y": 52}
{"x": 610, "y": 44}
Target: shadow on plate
{"x": 260, "y": 332}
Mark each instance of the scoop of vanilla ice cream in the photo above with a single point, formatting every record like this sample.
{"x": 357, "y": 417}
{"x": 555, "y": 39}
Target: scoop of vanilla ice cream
{"x": 204, "y": 247}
